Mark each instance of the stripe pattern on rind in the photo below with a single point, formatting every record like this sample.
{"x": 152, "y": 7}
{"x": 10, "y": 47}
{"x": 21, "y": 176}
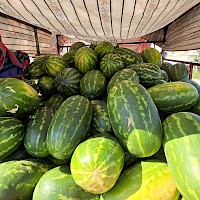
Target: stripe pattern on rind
{"x": 145, "y": 180}
{"x": 67, "y": 81}
{"x": 19, "y": 178}
{"x": 149, "y": 74}
{"x": 128, "y": 56}
{"x": 100, "y": 119}
{"x": 134, "y": 118}
{"x": 53, "y": 64}
{"x": 35, "y": 137}
{"x": 124, "y": 74}
{"x": 93, "y": 84}
{"x": 181, "y": 143}
{"x": 174, "y": 96}
{"x": 69, "y": 126}
{"x": 17, "y": 98}
{"x": 85, "y": 59}
{"x": 99, "y": 159}
{"x": 11, "y": 135}
{"x": 103, "y": 48}
{"x": 110, "y": 64}
{"x": 152, "y": 55}
{"x": 60, "y": 186}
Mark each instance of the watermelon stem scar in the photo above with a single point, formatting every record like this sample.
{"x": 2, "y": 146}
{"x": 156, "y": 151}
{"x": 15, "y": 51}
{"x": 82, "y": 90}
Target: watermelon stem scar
{"x": 13, "y": 110}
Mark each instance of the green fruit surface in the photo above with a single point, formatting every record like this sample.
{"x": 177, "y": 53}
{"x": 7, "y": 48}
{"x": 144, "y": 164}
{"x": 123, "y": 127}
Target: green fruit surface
{"x": 181, "y": 145}
{"x": 100, "y": 160}
{"x": 174, "y": 96}
{"x": 134, "y": 118}
{"x": 69, "y": 126}
{"x": 11, "y": 135}
{"x": 146, "y": 180}
{"x": 17, "y": 98}
{"x": 58, "y": 184}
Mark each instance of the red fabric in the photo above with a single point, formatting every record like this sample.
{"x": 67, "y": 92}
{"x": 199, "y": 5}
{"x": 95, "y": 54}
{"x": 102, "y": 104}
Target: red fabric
{"x": 6, "y": 51}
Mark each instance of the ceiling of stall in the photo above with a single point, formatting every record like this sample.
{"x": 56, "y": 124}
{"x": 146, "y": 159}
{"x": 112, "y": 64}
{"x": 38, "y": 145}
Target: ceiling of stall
{"x": 172, "y": 24}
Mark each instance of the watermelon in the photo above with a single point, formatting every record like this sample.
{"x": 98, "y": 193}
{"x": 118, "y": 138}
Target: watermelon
{"x": 11, "y": 135}
{"x": 19, "y": 154}
{"x": 196, "y": 84}
{"x": 181, "y": 145}
{"x": 110, "y": 64}
{"x": 103, "y": 48}
{"x": 196, "y": 107}
{"x": 19, "y": 178}
{"x": 128, "y": 56}
{"x": 92, "y": 46}
{"x": 100, "y": 160}
{"x": 178, "y": 72}
{"x": 166, "y": 66}
{"x": 35, "y": 137}
{"x": 134, "y": 118}
{"x": 124, "y": 74}
{"x": 100, "y": 119}
{"x": 149, "y": 74}
{"x": 174, "y": 96}
{"x": 152, "y": 55}
{"x": 35, "y": 70}
{"x": 58, "y": 183}
{"x": 164, "y": 75}
{"x": 46, "y": 85}
{"x": 68, "y": 81}
{"x": 69, "y": 126}
{"x": 150, "y": 179}
{"x": 52, "y": 64}
{"x": 85, "y": 59}
{"x": 17, "y": 98}
{"x": 55, "y": 101}
{"x": 93, "y": 84}
{"x": 69, "y": 57}
{"x": 76, "y": 46}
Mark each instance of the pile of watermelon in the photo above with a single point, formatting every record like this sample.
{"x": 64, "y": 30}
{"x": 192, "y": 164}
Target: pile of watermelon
{"x": 100, "y": 123}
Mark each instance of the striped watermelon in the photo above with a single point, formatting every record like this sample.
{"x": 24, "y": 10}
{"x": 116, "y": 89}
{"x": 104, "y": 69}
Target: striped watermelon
{"x": 181, "y": 145}
{"x": 69, "y": 126}
{"x": 166, "y": 66}
{"x": 76, "y": 46}
{"x": 69, "y": 57}
{"x": 55, "y": 101}
{"x": 164, "y": 75}
{"x": 52, "y": 64}
{"x": 128, "y": 56}
{"x": 85, "y": 59}
{"x": 35, "y": 69}
{"x": 178, "y": 72}
{"x": 196, "y": 85}
{"x": 124, "y": 74}
{"x": 196, "y": 107}
{"x": 57, "y": 184}
{"x": 149, "y": 74}
{"x": 152, "y": 55}
{"x": 174, "y": 96}
{"x": 35, "y": 137}
{"x": 11, "y": 135}
{"x": 110, "y": 64}
{"x": 146, "y": 180}
{"x": 17, "y": 98}
{"x": 134, "y": 118}
{"x": 68, "y": 81}
{"x": 19, "y": 154}
{"x": 93, "y": 84}
{"x": 46, "y": 85}
{"x": 100, "y": 160}
{"x": 19, "y": 178}
{"x": 100, "y": 119}
{"x": 103, "y": 48}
